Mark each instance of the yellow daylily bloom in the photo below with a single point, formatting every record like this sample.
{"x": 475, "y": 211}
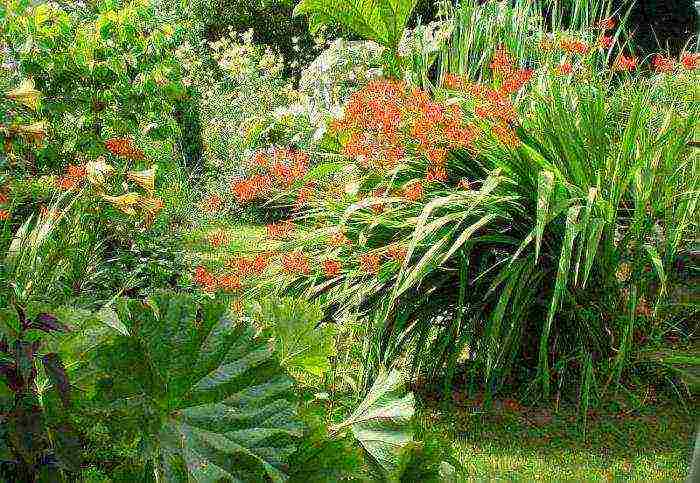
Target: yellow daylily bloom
{"x": 124, "y": 203}
{"x": 145, "y": 179}
{"x": 35, "y": 131}
{"x": 151, "y": 206}
{"x": 26, "y": 94}
{"x": 98, "y": 170}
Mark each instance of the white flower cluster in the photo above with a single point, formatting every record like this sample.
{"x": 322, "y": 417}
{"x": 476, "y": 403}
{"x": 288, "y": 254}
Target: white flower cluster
{"x": 425, "y": 39}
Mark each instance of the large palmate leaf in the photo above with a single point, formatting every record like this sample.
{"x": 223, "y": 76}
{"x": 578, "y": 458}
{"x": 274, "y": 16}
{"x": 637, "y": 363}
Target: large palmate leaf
{"x": 207, "y": 400}
{"x": 381, "y": 422}
{"x": 382, "y": 21}
{"x": 301, "y": 343}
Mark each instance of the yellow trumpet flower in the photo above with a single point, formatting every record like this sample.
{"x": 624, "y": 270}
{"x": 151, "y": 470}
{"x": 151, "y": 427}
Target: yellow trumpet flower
{"x": 26, "y": 94}
{"x": 145, "y": 179}
{"x": 98, "y": 170}
{"x": 151, "y": 206}
{"x": 124, "y": 203}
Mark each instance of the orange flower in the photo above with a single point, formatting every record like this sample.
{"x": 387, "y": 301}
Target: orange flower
{"x": 66, "y": 183}
{"x": 339, "y": 239}
{"x": 217, "y": 239}
{"x": 574, "y": 46}
{"x": 436, "y": 173}
{"x": 663, "y": 64}
{"x": 76, "y": 171}
{"x": 506, "y": 135}
{"x": 414, "y": 191}
{"x": 606, "y": 24}
{"x": 124, "y": 147}
{"x": 624, "y": 63}
{"x": 606, "y": 41}
{"x": 261, "y": 159}
{"x": 304, "y": 194}
{"x": 464, "y": 184}
{"x": 331, "y": 268}
{"x": 4, "y": 215}
{"x": 3, "y": 198}
{"x": 229, "y": 283}
{"x": 212, "y": 203}
{"x": 565, "y": 69}
{"x": 204, "y": 279}
{"x": 296, "y": 263}
{"x": 369, "y": 263}
{"x": 281, "y": 230}
{"x": 396, "y": 253}
{"x": 690, "y": 61}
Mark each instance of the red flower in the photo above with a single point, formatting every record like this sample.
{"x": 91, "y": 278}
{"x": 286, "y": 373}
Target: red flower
{"x": 663, "y": 64}
{"x": 204, "y": 279}
{"x": 506, "y": 135}
{"x": 66, "y": 183}
{"x": 369, "y": 263}
{"x": 3, "y": 198}
{"x": 624, "y": 63}
{"x": 690, "y": 61}
{"x": 331, "y": 268}
{"x": 296, "y": 263}
{"x": 212, "y": 203}
{"x": 76, "y": 171}
{"x": 261, "y": 159}
{"x": 4, "y": 215}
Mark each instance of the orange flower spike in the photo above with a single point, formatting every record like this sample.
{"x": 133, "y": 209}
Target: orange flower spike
{"x": 331, "y": 268}
{"x": 606, "y": 24}
{"x": 339, "y": 239}
{"x": 574, "y": 46}
{"x": 76, "y": 171}
{"x": 217, "y": 239}
{"x": 436, "y": 173}
{"x": 4, "y": 215}
{"x": 213, "y": 203}
{"x": 261, "y": 159}
{"x": 565, "y": 69}
{"x": 3, "y": 199}
{"x": 398, "y": 254}
{"x": 624, "y": 63}
{"x": 296, "y": 263}
{"x": 66, "y": 183}
{"x": 606, "y": 41}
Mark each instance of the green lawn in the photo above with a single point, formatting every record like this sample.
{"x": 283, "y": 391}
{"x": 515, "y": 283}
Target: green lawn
{"x": 538, "y": 445}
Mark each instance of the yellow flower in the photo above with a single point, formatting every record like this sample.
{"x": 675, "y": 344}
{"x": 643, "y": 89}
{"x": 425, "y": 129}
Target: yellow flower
{"x": 145, "y": 179}
{"x": 98, "y": 170}
{"x": 151, "y": 206}
{"x": 26, "y": 94}
{"x": 35, "y": 131}
{"x": 124, "y": 203}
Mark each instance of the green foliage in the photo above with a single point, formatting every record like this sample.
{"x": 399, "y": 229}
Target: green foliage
{"x": 302, "y": 342}
{"x": 382, "y": 22}
{"x": 205, "y": 399}
{"x": 381, "y": 422}
{"x": 104, "y": 71}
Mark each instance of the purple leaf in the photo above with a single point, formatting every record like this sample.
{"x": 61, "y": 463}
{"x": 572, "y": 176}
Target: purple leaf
{"x": 48, "y": 323}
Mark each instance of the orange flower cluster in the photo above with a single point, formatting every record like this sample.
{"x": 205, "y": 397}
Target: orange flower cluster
{"x": 339, "y": 239}
{"x": 663, "y": 64}
{"x": 281, "y": 168}
{"x": 369, "y": 263}
{"x": 247, "y": 267}
{"x": 212, "y": 203}
{"x": 624, "y": 63}
{"x": 512, "y": 78}
{"x": 690, "y": 61}
{"x": 124, "y": 147}
{"x": 606, "y": 41}
{"x": 218, "y": 238}
{"x": 565, "y": 69}
{"x": 396, "y": 253}
{"x": 606, "y": 24}
{"x": 296, "y": 263}
{"x": 331, "y": 268}
{"x": 281, "y": 230}
{"x": 72, "y": 178}
{"x": 304, "y": 195}
{"x": 414, "y": 191}
{"x": 574, "y": 46}
{"x": 386, "y": 119}
{"x": 211, "y": 283}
